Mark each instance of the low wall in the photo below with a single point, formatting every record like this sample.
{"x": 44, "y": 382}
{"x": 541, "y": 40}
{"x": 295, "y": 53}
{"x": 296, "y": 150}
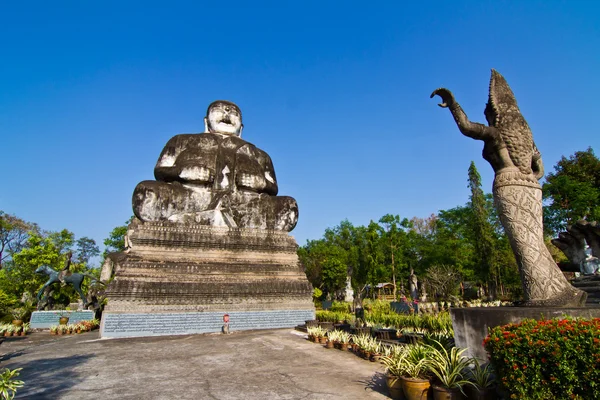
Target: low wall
{"x": 471, "y": 324}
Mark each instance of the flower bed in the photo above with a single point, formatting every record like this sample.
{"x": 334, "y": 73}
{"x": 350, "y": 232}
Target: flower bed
{"x": 547, "y": 359}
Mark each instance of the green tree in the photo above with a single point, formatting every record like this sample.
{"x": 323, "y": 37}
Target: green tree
{"x": 395, "y": 238}
{"x": 116, "y": 239}
{"x": 40, "y": 249}
{"x": 13, "y": 235}
{"x": 483, "y": 233}
{"x": 572, "y": 191}
{"x": 85, "y": 249}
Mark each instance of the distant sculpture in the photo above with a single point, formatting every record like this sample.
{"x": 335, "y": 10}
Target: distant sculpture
{"x": 65, "y": 271}
{"x": 517, "y": 163}
{"x": 74, "y": 279}
{"x": 579, "y": 242}
{"x": 215, "y": 178}
{"x": 414, "y": 285}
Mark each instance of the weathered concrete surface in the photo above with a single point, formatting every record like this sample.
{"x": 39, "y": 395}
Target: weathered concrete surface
{"x": 272, "y": 364}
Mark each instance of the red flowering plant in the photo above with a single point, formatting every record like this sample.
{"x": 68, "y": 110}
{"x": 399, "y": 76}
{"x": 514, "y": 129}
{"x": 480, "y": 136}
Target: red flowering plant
{"x": 547, "y": 359}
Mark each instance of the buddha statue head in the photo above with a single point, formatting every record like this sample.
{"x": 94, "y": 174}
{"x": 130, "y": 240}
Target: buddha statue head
{"x": 223, "y": 117}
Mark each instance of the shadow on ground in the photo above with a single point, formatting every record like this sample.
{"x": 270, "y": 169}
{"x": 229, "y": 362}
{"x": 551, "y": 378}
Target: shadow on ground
{"x": 52, "y": 376}
{"x": 376, "y": 384}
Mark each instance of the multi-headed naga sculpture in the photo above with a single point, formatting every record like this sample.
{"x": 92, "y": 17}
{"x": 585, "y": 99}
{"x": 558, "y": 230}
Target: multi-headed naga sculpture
{"x": 517, "y": 163}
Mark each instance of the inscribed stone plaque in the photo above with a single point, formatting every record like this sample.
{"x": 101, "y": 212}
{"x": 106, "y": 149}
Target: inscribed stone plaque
{"x": 159, "y": 324}
{"x": 46, "y": 319}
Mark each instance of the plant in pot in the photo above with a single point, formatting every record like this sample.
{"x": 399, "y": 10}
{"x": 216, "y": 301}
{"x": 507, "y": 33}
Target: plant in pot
{"x": 312, "y": 333}
{"x": 18, "y": 315}
{"x": 26, "y": 328}
{"x": 344, "y": 339}
{"x": 54, "y": 330}
{"x": 17, "y": 330}
{"x": 482, "y": 377}
{"x": 375, "y": 349}
{"x": 394, "y": 371}
{"x": 450, "y": 368}
{"x": 416, "y": 383}
{"x": 332, "y": 337}
{"x": 10, "y": 329}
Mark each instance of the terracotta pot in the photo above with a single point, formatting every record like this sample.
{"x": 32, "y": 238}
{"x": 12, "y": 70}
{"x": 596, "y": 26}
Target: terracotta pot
{"x": 23, "y": 333}
{"x": 52, "y": 333}
{"x": 17, "y": 322}
{"x": 443, "y": 393}
{"x": 63, "y": 320}
{"x": 344, "y": 346}
{"x": 416, "y": 389}
{"x": 394, "y": 384}
{"x": 7, "y": 334}
{"x": 375, "y": 357}
{"x": 367, "y": 355}
{"x": 323, "y": 340}
{"x": 329, "y": 344}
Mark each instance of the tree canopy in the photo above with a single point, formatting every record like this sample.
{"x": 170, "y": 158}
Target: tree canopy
{"x": 572, "y": 191}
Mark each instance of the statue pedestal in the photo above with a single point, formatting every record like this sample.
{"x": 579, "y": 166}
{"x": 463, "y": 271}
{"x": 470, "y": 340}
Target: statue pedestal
{"x": 471, "y": 324}
{"x": 182, "y": 279}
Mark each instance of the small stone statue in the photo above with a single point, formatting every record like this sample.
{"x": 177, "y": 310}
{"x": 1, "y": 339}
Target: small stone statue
{"x": 414, "y": 285}
{"x": 591, "y": 264}
{"x": 215, "y": 178}
{"x": 517, "y": 163}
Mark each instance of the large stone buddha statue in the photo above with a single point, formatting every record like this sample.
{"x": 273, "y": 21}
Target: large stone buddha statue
{"x": 215, "y": 178}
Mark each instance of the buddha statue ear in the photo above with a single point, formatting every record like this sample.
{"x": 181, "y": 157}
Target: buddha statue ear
{"x": 205, "y": 125}
{"x": 241, "y": 129}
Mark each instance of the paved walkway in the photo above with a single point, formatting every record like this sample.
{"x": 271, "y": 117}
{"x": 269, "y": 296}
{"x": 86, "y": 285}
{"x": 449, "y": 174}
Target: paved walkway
{"x": 273, "y": 364}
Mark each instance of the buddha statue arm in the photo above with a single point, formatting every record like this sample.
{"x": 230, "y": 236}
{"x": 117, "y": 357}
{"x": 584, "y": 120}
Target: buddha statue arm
{"x": 255, "y": 171}
{"x": 471, "y": 129}
{"x": 165, "y": 169}
{"x": 179, "y": 162}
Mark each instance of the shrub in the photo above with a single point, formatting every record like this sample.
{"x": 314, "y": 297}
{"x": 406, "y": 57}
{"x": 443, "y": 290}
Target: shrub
{"x": 547, "y": 359}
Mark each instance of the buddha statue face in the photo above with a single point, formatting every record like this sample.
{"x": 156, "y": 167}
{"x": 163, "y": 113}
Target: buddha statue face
{"x": 223, "y": 117}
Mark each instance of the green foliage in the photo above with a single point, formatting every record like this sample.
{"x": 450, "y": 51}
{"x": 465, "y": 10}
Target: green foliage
{"x": 13, "y": 234}
{"x": 9, "y": 384}
{"x": 572, "y": 191}
{"x": 486, "y": 264}
{"x": 449, "y": 366}
{"x": 116, "y": 239}
{"x": 317, "y": 293}
{"x": 547, "y": 359}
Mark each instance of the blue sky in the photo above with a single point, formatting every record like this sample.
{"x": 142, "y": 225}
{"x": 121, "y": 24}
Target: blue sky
{"x": 336, "y": 92}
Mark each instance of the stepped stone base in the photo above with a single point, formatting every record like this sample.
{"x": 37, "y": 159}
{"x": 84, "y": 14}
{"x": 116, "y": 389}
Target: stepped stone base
{"x": 189, "y": 276}
{"x": 591, "y": 285}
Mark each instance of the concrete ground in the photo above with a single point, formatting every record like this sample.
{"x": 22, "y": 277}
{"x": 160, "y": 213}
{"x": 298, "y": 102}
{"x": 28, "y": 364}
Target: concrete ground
{"x": 271, "y": 364}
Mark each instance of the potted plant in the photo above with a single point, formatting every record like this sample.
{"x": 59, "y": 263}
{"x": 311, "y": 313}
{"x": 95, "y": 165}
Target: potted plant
{"x": 9, "y": 330}
{"x": 416, "y": 383}
{"x": 344, "y": 338}
{"x": 450, "y": 368}
{"x": 375, "y": 350}
{"x": 331, "y": 339}
{"x": 26, "y": 328}
{"x": 63, "y": 317}
{"x": 18, "y": 314}
{"x": 311, "y": 333}
{"x": 54, "y": 330}
{"x": 483, "y": 382}
{"x": 61, "y": 329}
{"x": 17, "y": 330}
{"x": 395, "y": 365}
